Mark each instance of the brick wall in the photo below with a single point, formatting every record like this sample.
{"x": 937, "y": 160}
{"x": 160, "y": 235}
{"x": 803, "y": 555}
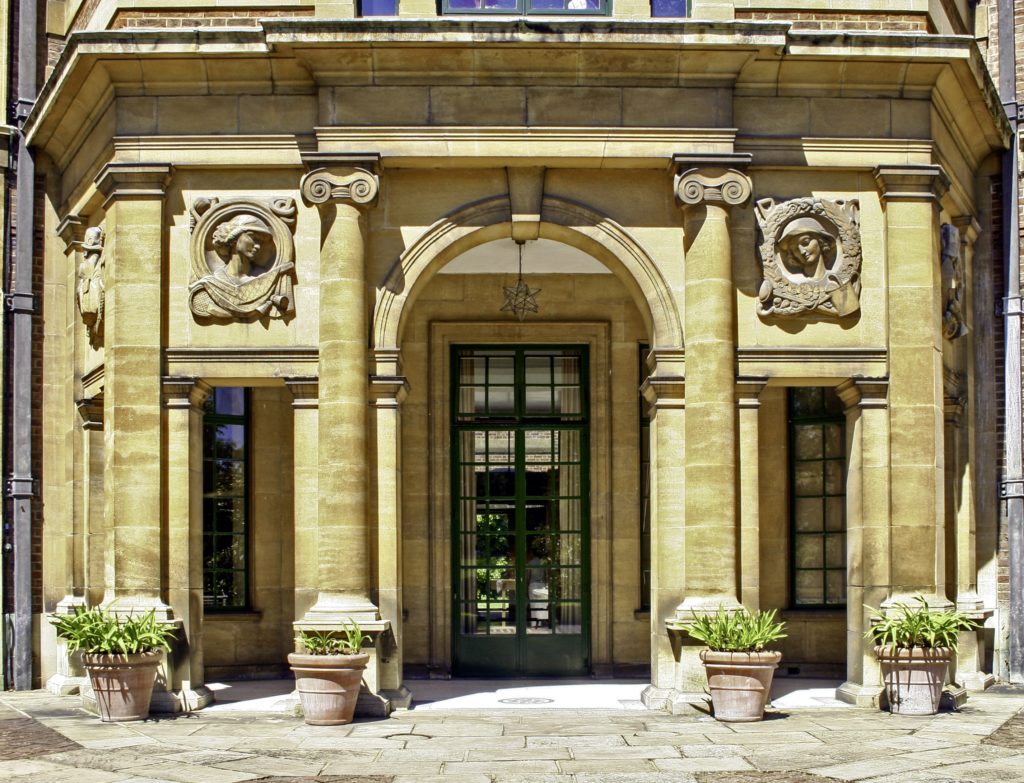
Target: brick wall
{"x": 217, "y": 17}
{"x": 829, "y": 20}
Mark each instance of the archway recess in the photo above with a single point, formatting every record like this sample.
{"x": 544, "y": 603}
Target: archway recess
{"x": 561, "y": 220}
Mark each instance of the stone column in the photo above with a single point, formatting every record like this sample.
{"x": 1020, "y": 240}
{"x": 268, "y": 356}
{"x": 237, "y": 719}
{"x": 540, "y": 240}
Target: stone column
{"x": 388, "y": 389}
{"x": 134, "y": 204}
{"x": 304, "y": 479}
{"x": 711, "y": 577}
{"x": 665, "y": 392}
{"x": 748, "y": 391}
{"x": 911, "y": 197}
{"x": 184, "y": 398}
{"x": 867, "y": 532}
{"x": 708, "y": 188}
{"x": 343, "y": 555}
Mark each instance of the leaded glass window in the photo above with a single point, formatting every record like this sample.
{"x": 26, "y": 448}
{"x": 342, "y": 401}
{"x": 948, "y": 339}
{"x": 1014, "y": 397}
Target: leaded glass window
{"x": 817, "y": 442}
{"x": 225, "y": 500}
{"x": 520, "y": 7}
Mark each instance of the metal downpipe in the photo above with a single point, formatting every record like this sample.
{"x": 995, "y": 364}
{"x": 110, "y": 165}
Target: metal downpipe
{"x": 1013, "y": 478}
{"x": 20, "y": 305}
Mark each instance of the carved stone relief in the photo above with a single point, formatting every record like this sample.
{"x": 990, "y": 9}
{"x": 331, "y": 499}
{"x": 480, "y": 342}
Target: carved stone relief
{"x": 952, "y": 283}
{"x": 91, "y": 290}
{"x": 810, "y": 257}
{"x": 242, "y": 259}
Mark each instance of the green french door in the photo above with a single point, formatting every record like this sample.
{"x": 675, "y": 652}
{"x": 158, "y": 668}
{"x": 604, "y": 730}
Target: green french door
{"x": 520, "y": 490}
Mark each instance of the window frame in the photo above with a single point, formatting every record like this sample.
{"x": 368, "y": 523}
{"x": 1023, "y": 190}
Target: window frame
{"x": 523, "y": 9}
{"x": 791, "y": 422}
{"x": 245, "y": 420}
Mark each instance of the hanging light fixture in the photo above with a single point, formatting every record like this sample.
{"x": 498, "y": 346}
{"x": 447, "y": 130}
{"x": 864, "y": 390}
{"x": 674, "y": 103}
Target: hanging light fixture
{"x": 520, "y": 298}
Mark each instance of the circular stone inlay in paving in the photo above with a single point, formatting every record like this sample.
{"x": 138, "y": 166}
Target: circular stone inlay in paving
{"x": 407, "y": 736}
{"x": 525, "y": 700}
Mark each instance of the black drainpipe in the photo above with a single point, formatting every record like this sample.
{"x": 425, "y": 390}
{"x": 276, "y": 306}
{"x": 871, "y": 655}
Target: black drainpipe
{"x": 20, "y": 305}
{"x": 1013, "y": 478}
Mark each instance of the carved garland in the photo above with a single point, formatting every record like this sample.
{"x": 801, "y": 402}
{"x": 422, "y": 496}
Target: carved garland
{"x": 242, "y": 259}
{"x": 833, "y": 288}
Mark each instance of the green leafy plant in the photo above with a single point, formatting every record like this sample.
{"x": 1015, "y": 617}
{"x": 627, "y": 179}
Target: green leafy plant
{"x": 345, "y": 642}
{"x": 738, "y": 631}
{"x": 918, "y": 626}
{"x": 98, "y": 630}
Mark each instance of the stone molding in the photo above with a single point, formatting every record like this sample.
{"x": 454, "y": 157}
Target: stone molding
{"x": 924, "y": 182}
{"x": 748, "y": 391}
{"x": 121, "y": 181}
{"x": 90, "y": 409}
{"x": 305, "y": 391}
{"x": 864, "y": 393}
{"x": 525, "y": 196}
{"x": 388, "y": 391}
{"x": 183, "y": 392}
{"x": 664, "y": 392}
{"x": 71, "y": 230}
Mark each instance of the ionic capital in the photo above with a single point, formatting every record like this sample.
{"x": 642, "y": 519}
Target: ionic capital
{"x": 343, "y": 178}
{"x": 711, "y": 179}
{"x": 911, "y": 182}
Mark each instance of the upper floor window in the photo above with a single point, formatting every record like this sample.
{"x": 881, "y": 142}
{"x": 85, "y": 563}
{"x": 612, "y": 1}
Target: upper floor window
{"x": 378, "y": 7}
{"x": 670, "y": 8}
{"x": 596, "y": 7}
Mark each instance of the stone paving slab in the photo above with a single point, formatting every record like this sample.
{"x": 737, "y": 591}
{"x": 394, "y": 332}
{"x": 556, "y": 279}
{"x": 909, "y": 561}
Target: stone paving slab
{"x": 983, "y": 743}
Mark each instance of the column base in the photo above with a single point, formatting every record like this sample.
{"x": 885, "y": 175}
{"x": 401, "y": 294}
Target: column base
{"x": 65, "y": 685}
{"x": 332, "y": 613}
{"x": 954, "y": 696}
{"x": 138, "y": 605}
{"x": 860, "y": 695}
{"x": 976, "y": 682}
{"x": 400, "y": 698}
{"x": 676, "y": 702}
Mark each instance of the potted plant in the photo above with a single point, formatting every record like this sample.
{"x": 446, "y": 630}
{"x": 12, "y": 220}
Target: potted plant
{"x": 738, "y": 668}
{"x": 328, "y": 673}
{"x": 120, "y": 655}
{"x": 914, "y": 646}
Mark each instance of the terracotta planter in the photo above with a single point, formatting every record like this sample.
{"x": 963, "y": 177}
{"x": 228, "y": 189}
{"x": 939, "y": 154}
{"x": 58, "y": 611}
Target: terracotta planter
{"x": 913, "y": 677}
{"x": 740, "y": 683}
{"x": 328, "y": 686}
{"x": 123, "y": 684}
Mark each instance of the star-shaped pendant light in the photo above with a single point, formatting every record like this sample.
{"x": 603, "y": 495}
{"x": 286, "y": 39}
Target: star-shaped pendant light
{"x": 520, "y": 298}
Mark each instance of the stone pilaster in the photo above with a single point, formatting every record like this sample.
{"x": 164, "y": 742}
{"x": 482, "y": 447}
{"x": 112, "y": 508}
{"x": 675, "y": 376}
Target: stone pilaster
{"x": 664, "y": 391}
{"x": 183, "y": 399}
{"x": 342, "y": 193}
{"x": 867, "y": 531}
{"x": 91, "y": 504}
{"x": 134, "y": 204}
{"x": 748, "y": 391}
{"x": 305, "y": 398}
{"x": 388, "y": 389}
{"x": 911, "y": 196}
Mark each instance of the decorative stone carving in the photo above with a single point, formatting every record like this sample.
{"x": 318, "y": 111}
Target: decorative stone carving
{"x": 242, "y": 259}
{"x": 953, "y": 282}
{"x": 810, "y": 256}
{"x": 91, "y": 291}
{"x": 319, "y": 186}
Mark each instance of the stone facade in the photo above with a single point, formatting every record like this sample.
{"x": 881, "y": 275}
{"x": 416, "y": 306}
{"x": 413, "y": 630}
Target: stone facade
{"x": 321, "y": 210}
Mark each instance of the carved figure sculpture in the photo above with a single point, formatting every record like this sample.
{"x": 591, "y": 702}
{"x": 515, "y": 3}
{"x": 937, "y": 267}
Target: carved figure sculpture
{"x": 952, "y": 283}
{"x": 91, "y": 292}
{"x": 242, "y": 259}
{"x": 810, "y": 257}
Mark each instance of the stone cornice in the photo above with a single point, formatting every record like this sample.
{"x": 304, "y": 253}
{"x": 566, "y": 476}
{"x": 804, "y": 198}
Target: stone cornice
{"x": 120, "y": 181}
{"x": 911, "y": 182}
